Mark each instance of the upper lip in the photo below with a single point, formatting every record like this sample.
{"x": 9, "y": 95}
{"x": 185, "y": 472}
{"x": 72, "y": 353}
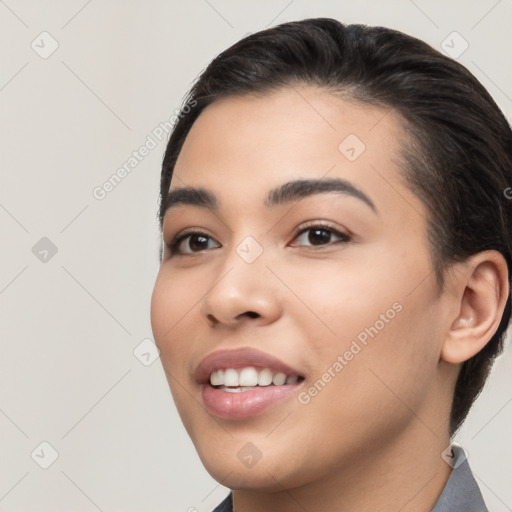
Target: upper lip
{"x": 239, "y": 358}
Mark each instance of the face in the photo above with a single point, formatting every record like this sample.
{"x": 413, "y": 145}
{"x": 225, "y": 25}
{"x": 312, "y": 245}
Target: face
{"x": 294, "y": 247}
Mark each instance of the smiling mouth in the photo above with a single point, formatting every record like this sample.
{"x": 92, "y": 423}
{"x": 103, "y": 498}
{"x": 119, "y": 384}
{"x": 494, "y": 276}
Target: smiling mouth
{"x": 250, "y": 378}
{"x": 241, "y": 383}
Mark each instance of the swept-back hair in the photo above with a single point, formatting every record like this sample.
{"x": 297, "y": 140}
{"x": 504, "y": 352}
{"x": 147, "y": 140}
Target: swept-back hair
{"x": 457, "y": 156}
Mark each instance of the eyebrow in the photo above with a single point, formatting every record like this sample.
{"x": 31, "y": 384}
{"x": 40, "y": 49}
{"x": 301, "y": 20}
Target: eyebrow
{"x": 190, "y": 196}
{"x": 299, "y": 189}
{"x": 286, "y": 193}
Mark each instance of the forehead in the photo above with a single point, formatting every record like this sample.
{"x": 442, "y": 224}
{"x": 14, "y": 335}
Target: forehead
{"x": 246, "y": 145}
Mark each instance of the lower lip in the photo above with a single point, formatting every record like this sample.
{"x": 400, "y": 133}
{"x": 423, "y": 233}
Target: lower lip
{"x": 245, "y": 404}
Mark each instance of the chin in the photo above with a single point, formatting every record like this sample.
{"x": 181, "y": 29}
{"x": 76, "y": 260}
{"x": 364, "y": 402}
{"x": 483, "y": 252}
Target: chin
{"x": 255, "y": 479}
{"x": 268, "y": 474}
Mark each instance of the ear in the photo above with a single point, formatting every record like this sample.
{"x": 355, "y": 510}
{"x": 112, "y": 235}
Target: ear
{"x": 484, "y": 290}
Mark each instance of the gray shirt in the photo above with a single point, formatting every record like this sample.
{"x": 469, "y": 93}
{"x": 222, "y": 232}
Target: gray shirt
{"x": 461, "y": 492}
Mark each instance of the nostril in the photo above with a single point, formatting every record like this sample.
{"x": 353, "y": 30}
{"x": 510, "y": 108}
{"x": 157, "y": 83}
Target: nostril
{"x": 211, "y": 319}
{"x": 251, "y": 314}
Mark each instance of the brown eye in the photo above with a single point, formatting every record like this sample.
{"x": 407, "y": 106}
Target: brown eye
{"x": 318, "y": 235}
{"x": 190, "y": 243}
{"x": 198, "y": 242}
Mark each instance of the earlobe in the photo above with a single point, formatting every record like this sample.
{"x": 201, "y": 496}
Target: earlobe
{"x": 484, "y": 282}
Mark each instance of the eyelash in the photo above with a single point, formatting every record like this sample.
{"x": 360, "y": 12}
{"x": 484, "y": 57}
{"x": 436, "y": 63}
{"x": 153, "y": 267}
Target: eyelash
{"x": 319, "y": 226}
{"x": 344, "y": 237}
{"x": 175, "y": 242}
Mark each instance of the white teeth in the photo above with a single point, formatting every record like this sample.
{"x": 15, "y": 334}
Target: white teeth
{"x": 279, "y": 379}
{"x": 247, "y": 378}
{"x": 231, "y": 377}
{"x": 265, "y": 377}
{"x": 237, "y": 390}
{"x": 217, "y": 378}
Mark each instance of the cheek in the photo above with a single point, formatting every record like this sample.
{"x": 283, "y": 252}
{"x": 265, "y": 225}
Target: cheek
{"x": 172, "y": 304}
{"x": 172, "y": 300}
{"x": 172, "y": 309}
{"x": 384, "y": 364}
{"x": 369, "y": 328}
{"x": 335, "y": 302}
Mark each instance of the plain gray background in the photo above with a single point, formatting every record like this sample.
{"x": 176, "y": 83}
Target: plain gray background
{"x": 74, "y": 365}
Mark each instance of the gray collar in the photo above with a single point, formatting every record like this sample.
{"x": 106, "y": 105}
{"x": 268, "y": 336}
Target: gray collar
{"x": 461, "y": 492}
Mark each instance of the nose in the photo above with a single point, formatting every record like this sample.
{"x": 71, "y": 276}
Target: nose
{"x": 242, "y": 292}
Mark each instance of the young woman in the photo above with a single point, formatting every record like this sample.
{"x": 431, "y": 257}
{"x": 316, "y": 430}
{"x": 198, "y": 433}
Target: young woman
{"x": 335, "y": 280}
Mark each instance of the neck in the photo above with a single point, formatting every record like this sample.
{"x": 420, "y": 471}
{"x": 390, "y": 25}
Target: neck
{"x": 407, "y": 474}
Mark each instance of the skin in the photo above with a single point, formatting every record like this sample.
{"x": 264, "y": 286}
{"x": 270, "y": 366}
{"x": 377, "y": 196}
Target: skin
{"x": 372, "y": 438}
